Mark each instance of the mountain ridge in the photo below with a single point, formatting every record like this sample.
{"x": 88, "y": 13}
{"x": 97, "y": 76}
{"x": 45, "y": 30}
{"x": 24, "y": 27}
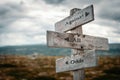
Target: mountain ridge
{"x": 114, "y": 49}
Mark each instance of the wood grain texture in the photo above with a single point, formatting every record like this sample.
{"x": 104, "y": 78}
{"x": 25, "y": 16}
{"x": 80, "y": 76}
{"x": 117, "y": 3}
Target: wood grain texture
{"x": 76, "y": 41}
{"x": 79, "y": 61}
{"x": 80, "y": 17}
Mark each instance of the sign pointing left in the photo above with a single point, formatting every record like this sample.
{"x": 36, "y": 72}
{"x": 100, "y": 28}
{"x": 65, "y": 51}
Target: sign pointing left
{"x": 73, "y": 62}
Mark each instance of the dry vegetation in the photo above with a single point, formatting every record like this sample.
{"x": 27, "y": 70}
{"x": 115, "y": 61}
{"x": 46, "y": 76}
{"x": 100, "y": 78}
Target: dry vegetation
{"x": 43, "y": 68}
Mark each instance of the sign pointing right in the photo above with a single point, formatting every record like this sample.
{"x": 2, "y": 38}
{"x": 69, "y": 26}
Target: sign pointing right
{"x": 78, "y": 18}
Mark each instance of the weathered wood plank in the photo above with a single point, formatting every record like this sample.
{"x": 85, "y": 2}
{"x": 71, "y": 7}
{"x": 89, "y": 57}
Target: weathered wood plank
{"x": 74, "y": 62}
{"x": 78, "y": 18}
{"x": 76, "y": 41}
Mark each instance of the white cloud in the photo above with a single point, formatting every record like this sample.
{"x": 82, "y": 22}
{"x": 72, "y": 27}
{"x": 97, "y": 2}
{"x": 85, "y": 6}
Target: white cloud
{"x": 26, "y": 22}
{"x": 95, "y": 30}
{"x": 12, "y": 39}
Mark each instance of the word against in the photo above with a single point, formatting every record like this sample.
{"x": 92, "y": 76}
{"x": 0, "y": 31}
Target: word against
{"x": 79, "y": 18}
{"x": 88, "y": 59}
{"x": 76, "y": 41}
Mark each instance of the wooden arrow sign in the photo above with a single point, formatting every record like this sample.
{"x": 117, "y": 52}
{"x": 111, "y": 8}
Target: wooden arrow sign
{"x": 76, "y": 41}
{"x": 79, "y": 18}
{"x": 88, "y": 59}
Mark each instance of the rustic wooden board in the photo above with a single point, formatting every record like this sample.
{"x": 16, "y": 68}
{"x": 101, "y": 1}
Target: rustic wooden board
{"x": 76, "y": 41}
{"x": 78, "y": 18}
{"x": 74, "y": 62}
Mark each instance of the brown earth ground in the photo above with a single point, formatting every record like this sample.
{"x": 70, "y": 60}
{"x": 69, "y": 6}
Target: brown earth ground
{"x": 43, "y": 68}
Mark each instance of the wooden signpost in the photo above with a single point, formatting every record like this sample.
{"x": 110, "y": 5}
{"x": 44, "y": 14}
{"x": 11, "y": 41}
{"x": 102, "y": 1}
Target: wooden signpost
{"x": 83, "y": 46}
{"x": 76, "y": 41}
{"x": 74, "y": 62}
{"x": 78, "y": 18}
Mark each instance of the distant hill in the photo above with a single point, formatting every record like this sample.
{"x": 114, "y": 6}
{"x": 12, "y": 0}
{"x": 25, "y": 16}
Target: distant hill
{"x": 33, "y": 49}
{"x": 114, "y": 49}
{"x": 44, "y": 50}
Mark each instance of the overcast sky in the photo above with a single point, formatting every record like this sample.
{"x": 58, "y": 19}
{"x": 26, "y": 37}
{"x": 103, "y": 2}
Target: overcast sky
{"x": 26, "y": 21}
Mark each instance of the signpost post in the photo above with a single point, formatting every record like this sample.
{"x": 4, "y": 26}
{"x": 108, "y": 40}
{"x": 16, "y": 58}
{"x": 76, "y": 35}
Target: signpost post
{"x": 80, "y": 44}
